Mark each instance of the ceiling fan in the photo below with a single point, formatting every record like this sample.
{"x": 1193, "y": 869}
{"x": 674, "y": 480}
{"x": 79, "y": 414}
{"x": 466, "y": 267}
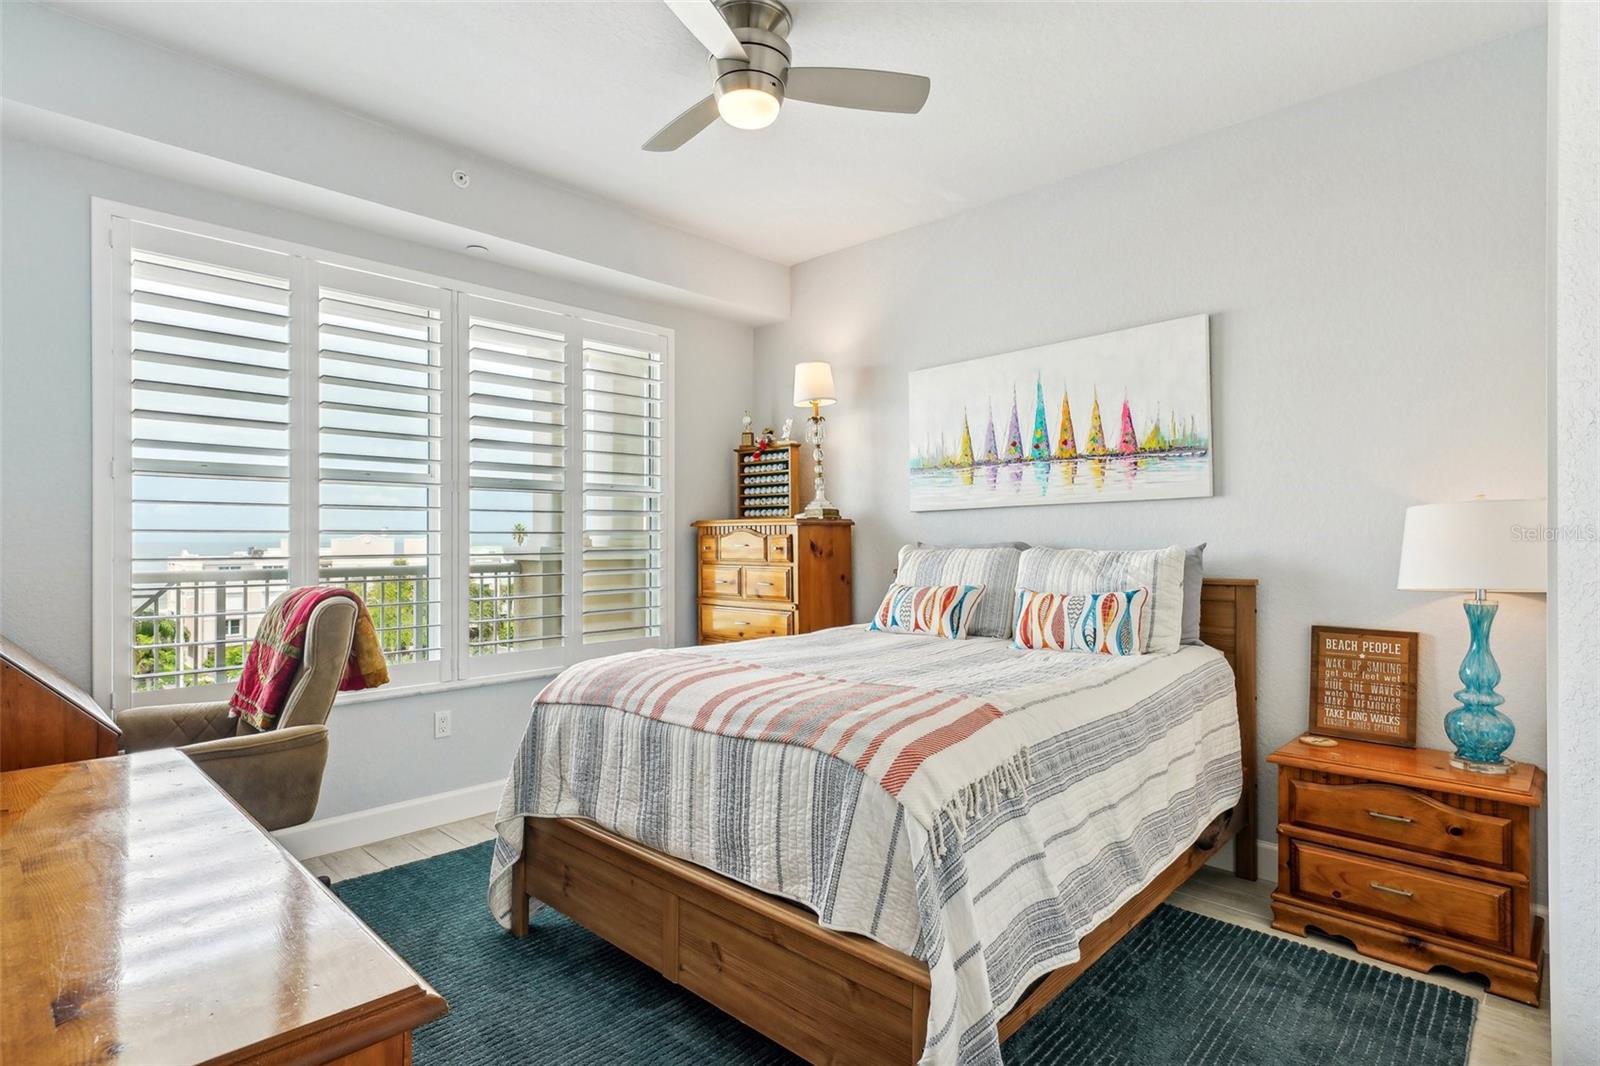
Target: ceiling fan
{"x": 750, "y": 60}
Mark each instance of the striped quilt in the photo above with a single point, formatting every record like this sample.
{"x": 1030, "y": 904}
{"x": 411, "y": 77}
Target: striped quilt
{"x": 977, "y": 806}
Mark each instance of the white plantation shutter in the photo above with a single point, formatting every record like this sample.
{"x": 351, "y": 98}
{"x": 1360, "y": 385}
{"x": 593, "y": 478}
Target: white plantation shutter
{"x": 486, "y": 471}
{"x": 622, "y": 485}
{"x": 516, "y": 457}
{"x": 380, "y": 456}
{"x": 207, "y": 477}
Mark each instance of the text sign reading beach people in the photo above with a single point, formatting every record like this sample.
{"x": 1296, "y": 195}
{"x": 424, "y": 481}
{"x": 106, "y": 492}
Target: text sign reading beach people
{"x": 1120, "y": 416}
{"x": 1364, "y": 684}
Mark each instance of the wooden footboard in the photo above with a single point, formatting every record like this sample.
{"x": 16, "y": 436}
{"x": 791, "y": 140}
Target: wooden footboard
{"x": 832, "y": 997}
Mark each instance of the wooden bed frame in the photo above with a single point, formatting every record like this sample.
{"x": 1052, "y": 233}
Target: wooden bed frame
{"x": 834, "y": 997}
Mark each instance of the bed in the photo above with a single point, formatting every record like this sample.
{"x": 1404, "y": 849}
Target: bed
{"x": 809, "y": 904}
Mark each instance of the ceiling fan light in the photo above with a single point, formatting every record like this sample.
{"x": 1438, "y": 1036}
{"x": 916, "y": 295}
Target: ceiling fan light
{"x": 748, "y": 109}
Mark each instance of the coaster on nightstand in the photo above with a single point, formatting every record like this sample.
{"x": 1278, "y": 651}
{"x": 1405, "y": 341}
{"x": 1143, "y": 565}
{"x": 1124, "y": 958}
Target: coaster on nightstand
{"x": 1319, "y": 742}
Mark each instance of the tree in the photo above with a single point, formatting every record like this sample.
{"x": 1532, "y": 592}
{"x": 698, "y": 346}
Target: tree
{"x": 519, "y": 533}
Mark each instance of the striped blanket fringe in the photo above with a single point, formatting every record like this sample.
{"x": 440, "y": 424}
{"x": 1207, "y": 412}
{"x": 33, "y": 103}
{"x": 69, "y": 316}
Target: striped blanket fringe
{"x": 1009, "y": 779}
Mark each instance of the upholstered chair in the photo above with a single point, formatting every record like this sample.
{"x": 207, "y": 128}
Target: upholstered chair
{"x": 276, "y": 776}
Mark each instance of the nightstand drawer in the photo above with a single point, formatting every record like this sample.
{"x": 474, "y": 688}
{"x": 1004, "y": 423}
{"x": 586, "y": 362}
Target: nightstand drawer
{"x": 1455, "y": 906}
{"x": 1390, "y": 814}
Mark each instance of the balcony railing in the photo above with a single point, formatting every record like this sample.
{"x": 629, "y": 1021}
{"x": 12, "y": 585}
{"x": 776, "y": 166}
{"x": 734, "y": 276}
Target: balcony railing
{"x": 194, "y": 627}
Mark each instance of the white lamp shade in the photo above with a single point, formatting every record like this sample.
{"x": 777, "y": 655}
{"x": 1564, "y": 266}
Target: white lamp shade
{"x": 1481, "y": 544}
{"x": 813, "y": 384}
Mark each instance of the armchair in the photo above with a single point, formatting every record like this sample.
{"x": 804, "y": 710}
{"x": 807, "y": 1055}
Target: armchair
{"x": 276, "y": 776}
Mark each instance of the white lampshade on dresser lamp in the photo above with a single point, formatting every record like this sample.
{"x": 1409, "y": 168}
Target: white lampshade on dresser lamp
{"x": 813, "y": 388}
{"x": 1476, "y": 546}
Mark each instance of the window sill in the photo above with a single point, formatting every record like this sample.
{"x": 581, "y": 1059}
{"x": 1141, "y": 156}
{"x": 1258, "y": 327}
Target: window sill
{"x": 426, "y": 688}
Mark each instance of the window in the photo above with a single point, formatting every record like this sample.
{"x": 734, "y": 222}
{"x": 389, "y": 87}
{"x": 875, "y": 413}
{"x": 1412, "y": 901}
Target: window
{"x": 487, "y": 471}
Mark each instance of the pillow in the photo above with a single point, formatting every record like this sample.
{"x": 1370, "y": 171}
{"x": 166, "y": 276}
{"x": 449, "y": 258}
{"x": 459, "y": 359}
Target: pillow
{"x": 1194, "y": 572}
{"x": 1106, "y": 623}
{"x": 992, "y": 568}
{"x": 1087, "y": 571}
{"x": 936, "y": 610}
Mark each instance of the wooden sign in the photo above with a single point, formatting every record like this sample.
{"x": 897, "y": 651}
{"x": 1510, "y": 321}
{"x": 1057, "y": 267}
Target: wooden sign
{"x": 1364, "y": 685}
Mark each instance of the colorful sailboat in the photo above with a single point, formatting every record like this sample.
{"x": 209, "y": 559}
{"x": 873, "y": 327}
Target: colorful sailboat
{"x": 1013, "y": 434}
{"x": 1040, "y": 450}
{"x": 1155, "y": 440}
{"x": 991, "y": 454}
{"x": 1097, "y": 433}
{"x": 1129, "y": 442}
{"x": 1067, "y": 445}
{"x": 964, "y": 456}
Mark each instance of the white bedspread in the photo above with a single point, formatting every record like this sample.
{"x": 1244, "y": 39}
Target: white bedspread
{"x": 1128, "y": 759}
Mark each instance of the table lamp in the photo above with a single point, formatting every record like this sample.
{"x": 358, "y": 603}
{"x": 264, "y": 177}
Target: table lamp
{"x": 813, "y": 388}
{"x": 1476, "y": 546}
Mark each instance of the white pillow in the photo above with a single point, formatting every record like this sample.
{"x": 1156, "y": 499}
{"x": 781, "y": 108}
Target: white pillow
{"x": 1085, "y": 570}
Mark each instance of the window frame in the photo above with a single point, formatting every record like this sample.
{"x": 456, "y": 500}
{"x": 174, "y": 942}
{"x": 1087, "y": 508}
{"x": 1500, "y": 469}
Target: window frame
{"x": 456, "y": 667}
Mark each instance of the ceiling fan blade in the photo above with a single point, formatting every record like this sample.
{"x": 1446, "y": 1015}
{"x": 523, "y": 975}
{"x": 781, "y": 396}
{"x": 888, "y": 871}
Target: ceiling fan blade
{"x": 676, "y": 134}
{"x": 864, "y": 90}
{"x": 704, "y": 19}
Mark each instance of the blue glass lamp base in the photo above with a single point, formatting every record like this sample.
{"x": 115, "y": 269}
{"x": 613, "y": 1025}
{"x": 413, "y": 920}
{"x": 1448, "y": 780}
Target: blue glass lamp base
{"x": 1478, "y": 728}
{"x": 1504, "y": 766}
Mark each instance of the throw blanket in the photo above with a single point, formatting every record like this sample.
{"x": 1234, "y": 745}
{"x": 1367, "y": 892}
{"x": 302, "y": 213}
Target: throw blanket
{"x": 1072, "y": 780}
{"x": 280, "y": 644}
{"x": 932, "y": 751}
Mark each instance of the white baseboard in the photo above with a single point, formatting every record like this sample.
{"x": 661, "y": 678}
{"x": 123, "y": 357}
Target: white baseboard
{"x": 352, "y": 830}
{"x": 1266, "y": 860}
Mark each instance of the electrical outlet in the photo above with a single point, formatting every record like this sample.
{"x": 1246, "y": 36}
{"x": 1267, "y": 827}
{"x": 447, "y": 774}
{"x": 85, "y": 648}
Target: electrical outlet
{"x": 441, "y": 724}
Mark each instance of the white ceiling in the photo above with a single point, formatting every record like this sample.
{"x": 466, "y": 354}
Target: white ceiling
{"x": 1024, "y": 94}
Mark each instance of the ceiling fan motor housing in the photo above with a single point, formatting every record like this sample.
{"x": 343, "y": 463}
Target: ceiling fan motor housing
{"x": 761, "y": 26}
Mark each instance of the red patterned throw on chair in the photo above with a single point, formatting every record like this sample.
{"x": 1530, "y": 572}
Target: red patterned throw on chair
{"x": 280, "y": 644}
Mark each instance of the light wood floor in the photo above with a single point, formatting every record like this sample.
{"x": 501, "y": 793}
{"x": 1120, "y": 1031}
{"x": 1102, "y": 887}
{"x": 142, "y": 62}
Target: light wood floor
{"x": 1507, "y": 1033}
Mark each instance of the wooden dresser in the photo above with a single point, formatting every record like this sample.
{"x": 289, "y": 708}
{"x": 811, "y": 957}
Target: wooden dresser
{"x": 772, "y": 577}
{"x": 46, "y": 719}
{"x": 1413, "y": 861}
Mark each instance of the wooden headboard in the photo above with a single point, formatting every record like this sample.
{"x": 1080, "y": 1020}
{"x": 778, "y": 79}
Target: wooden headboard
{"x": 1228, "y": 623}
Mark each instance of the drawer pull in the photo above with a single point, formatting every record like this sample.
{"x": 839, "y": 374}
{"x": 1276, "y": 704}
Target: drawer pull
{"x": 1381, "y": 816}
{"x": 1393, "y": 891}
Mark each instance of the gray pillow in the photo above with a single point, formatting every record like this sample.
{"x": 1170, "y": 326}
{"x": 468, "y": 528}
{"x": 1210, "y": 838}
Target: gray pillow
{"x": 1193, "y": 572}
{"x": 993, "y": 568}
{"x": 1084, "y": 570}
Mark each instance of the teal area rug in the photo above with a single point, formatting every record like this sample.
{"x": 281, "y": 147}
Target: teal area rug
{"x": 1180, "y": 988}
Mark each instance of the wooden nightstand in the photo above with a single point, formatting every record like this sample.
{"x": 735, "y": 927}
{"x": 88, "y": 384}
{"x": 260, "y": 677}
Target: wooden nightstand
{"x": 1413, "y": 861}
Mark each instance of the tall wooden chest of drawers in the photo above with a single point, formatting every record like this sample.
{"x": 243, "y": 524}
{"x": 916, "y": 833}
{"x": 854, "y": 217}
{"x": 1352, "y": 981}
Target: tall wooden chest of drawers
{"x": 1411, "y": 860}
{"x": 772, "y": 578}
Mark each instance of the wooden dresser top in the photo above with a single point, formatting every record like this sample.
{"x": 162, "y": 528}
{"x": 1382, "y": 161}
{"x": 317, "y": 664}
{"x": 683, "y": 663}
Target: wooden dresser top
{"x": 1424, "y": 768}
{"x": 148, "y": 919}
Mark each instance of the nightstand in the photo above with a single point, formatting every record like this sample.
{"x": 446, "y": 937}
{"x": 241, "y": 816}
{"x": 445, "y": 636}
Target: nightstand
{"x": 1411, "y": 860}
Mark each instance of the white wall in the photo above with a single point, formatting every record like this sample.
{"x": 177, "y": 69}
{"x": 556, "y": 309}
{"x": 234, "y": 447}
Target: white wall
{"x": 1373, "y": 262}
{"x": 1575, "y": 512}
{"x": 91, "y": 89}
{"x": 382, "y": 751}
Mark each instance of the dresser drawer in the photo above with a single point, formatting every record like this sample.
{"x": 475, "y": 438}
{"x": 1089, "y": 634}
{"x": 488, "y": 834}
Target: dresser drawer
{"x": 1455, "y": 906}
{"x": 780, "y": 549}
{"x": 719, "y": 582}
{"x": 741, "y": 546}
{"x": 1399, "y": 816}
{"x": 767, "y": 583}
{"x": 744, "y": 623}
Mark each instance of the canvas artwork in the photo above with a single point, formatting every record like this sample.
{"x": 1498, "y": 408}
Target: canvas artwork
{"x": 1120, "y": 416}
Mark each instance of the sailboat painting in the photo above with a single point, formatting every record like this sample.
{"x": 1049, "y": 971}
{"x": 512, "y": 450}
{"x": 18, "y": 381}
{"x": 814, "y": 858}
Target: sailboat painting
{"x": 1120, "y": 416}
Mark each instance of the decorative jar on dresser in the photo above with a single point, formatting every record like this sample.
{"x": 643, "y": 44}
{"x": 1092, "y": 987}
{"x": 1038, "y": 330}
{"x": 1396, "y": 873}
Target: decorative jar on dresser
{"x": 1411, "y": 860}
{"x": 772, "y": 577}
